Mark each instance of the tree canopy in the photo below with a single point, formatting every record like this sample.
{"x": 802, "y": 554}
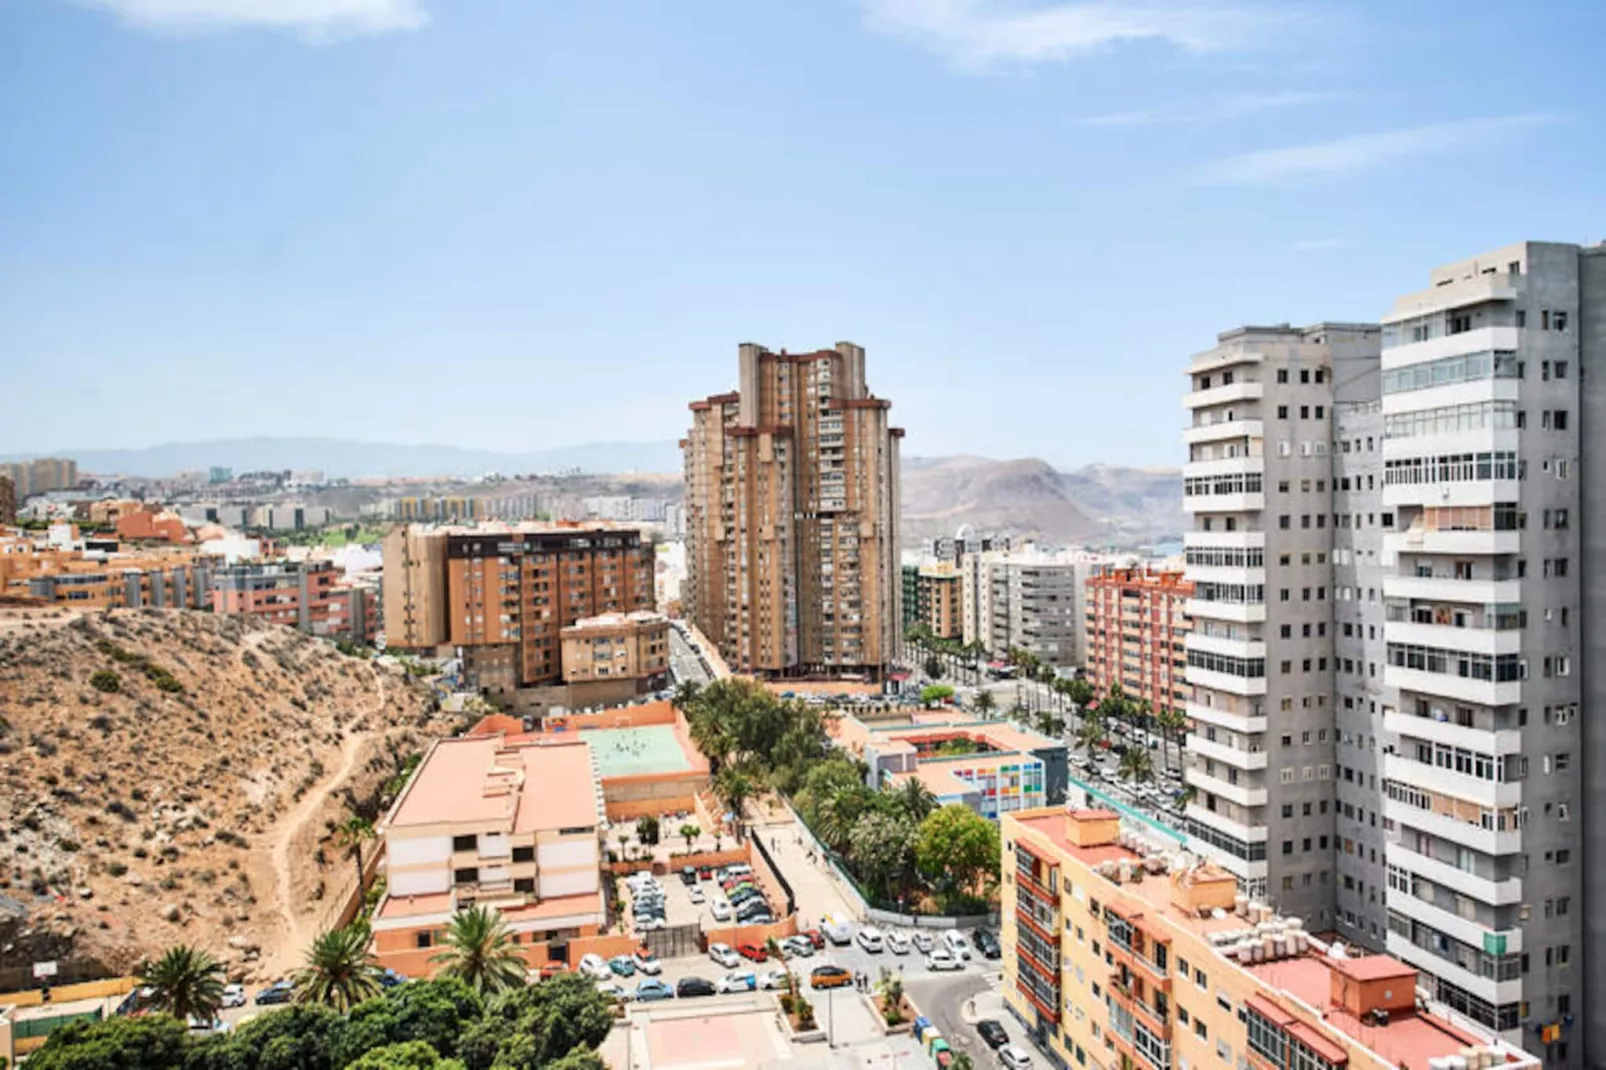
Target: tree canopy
{"x": 956, "y": 844}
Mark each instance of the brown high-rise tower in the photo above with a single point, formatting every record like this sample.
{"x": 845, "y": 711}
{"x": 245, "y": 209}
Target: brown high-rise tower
{"x": 792, "y": 496}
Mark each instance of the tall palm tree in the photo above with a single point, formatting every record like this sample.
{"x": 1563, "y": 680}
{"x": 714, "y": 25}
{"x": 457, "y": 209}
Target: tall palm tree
{"x": 480, "y": 951}
{"x": 1173, "y": 724}
{"x": 1090, "y": 735}
{"x": 351, "y": 835}
{"x": 187, "y": 983}
{"x": 985, "y": 703}
{"x": 340, "y": 972}
{"x": 685, "y": 697}
{"x": 734, "y": 787}
{"x": 1136, "y": 766}
{"x": 915, "y": 799}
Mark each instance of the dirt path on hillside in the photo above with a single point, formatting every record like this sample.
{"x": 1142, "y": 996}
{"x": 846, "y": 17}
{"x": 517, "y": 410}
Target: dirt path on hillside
{"x": 295, "y": 939}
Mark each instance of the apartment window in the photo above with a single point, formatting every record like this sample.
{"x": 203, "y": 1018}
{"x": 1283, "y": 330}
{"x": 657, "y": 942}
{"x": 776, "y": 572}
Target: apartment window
{"x": 1304, "y": 375}
{"x": 1282, "y": 412}
{"x": 1282, "y": 375}
{"x": 465, "y": 843}
{"x": 1558, "y": 320}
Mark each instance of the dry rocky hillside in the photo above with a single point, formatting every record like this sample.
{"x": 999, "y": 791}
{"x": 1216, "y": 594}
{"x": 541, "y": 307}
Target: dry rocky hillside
{"x": 169, "y": 775}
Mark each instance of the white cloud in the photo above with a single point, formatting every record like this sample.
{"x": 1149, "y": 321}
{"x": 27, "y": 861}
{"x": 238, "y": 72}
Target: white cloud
{"x": 316, "y": 19}
{"x": 977, "y": 34}
{"x": 1233, "y": 107}
{"x": 1365, "y": 151}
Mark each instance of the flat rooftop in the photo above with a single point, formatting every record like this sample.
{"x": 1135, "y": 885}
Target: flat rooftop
{"x": 488, "y": 781}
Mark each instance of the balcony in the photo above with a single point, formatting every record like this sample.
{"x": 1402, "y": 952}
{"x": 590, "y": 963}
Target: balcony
{"x": 1227, "y": 825}
{"x": 1460, "y": 492}
{"x": 1452, "y": 924}
{"x": 1225, "y": 466}
{"x": 1492, "y": 794}
{"x": 1452, "y": 345}
{"x": 1222, "y": 752}
{"x": 1504, "y": 741}
{"x": 1237, "y": 722}
{"x": 1223, "y": 429}
{"x": 1241, "y": 577}
{"x": 1222, "y": 395}
{"x": 1498, "y": 893}
{"x": 1458, "y": 543}
{"x": 1227, "y": 539}
{"x": 1235, "y": 648}
{"x": 1226, "y": 503}
{"x": 1464, "y": 688}
{"x": 1240, "y": 793}
{"x": 1221, "y": 681}
{"x": 1489, "y": 841}
{"x": 1476, "y": 592}
{"x": 1485, "y": 988}
{"x": 1448, "y": 637}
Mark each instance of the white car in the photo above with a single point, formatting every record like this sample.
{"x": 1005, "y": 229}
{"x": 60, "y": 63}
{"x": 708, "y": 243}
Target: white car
{"x": 1108, "y": 774}
{"x": 645, "y": 924}
{"x": 942, "y": 959}
{"x": 724, "y": 955}
{"x": 696, "y": 895}
{"x": 1012, "y": 1057}
{"x": 233, "y": 995}
{"x": 737, "y": 981}
{"x": 870, "y": 939}
{"x": 616, "y": 990}
{"x": 720, "y": 909}
{"x": 897, "y": 943}
{"x": 924, "y": 943}
{"x": 954, "y": 941}
{"x": 595, "y": 967}
{"x": 648, "y": 964}
{"x": 772, "y": 980}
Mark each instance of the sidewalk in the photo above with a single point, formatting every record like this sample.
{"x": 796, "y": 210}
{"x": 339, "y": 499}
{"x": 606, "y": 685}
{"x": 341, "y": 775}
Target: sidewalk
{"x": 815, "y": 884}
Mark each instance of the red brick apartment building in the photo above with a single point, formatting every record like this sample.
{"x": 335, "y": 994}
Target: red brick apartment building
{"x": 1136, "y": 625}
{"x": 300, "y": 595}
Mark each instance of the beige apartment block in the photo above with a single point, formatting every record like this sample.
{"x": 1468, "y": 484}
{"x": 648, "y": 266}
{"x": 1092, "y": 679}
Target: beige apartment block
{"x": 792, "y": 517}
{"x": 414, "y": 588}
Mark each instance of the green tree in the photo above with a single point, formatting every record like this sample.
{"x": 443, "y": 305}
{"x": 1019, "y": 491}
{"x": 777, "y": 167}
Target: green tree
{"x": 351, "y": 835}
{"x": 1172, "y": 727}
{"x": 186, "y": 982}
{"x": 933, "y": 667}
{"x": 1081, "y": 694}
{"x": 689, "y": 832}
{"x": 932, "y": 694}
{"x": 438, "y": 1011}
{"x": 985, "y": 703}
{"x": 299, "y": 1037}
{"x": 1091, "y": 735}
{"x": 686, "y": 695}
{"x": 155, "y": 1042}
{"x": 410, "y": 1055}
{"x": 1136, "y": 766}
{"x": 339, "y": 972}
{"x": 480, "y": 951}
{"x": 881, "y": 846}
{"x": 914, "y": 799}
{"x": 647, "y": 830}
{"x": 962, "y": 1061}
{"x": 734, "y": 787}
{"x": 958, "y": 845}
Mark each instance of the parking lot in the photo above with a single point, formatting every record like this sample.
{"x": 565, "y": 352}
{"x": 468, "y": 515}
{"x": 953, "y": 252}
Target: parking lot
{"x": 681, "y": 906}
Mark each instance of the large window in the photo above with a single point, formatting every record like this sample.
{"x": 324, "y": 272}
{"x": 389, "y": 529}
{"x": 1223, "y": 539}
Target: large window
{"x": 1251, "y": 852}
{"x": 1236, "y": 483}
{"x": 1470, "y": 367}
{"x": 1448, "y": 419}
{"x": 1500, "y": 668}
{"x": 1226, "y": 557}
{"x": 1227, "y": 663}
{"x": 1452, "y": 468}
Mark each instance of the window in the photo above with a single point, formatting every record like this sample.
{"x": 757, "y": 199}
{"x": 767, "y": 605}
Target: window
{"x": 465, "y": 843}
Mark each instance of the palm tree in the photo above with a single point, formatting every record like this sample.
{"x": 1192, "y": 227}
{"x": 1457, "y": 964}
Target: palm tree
{"x": 734, "y": 788}
{"x": 711, "y": 736}
{"x": 915, "y": 799}
{"x": 1091, "y": 734}
{"x": 1172, "y": 727}
{"x": 690, "y": 832}
{"x": 1136, "y": 766}
{"x": 1080, "y": 692}
{"x": 339, "y": 972}
{"x": 480, "y": 952}
{"x": 351, "y": 835}
{"x": 985, "y": 703}
{"x": 772, "y": 948}
{"x": 187, "y": 983}
{"x": 685, "y": 696}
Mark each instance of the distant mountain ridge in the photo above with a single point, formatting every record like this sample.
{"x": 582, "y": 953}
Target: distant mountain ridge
{"x": 1029, "y": 497}
{"x": 345, "y": 458}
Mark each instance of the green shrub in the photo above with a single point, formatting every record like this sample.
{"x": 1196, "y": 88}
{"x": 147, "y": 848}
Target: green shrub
{"x": 106, "y": 682}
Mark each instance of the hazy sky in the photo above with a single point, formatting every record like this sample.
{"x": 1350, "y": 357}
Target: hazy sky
{"x": 526, "y": 223}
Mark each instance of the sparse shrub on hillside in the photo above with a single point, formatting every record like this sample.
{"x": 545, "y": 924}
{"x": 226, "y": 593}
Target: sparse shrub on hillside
{"x": 116, "y": 869}
{"x": 106, "y": 682}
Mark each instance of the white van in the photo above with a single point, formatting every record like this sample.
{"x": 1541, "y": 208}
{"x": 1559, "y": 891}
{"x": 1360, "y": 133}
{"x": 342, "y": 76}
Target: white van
{"x": 954, "y": 941}
{"x": 870, "y": 939}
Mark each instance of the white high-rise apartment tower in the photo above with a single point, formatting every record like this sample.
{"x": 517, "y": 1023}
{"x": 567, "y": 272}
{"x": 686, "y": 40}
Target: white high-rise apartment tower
{"x": 1259, "y": 485}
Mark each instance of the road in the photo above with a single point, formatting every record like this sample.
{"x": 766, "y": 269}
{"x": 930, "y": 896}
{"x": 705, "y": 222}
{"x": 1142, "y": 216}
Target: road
{"x": 684, "y": 662}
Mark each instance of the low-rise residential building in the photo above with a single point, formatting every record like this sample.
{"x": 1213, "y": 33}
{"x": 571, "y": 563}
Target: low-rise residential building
{"x": 152, "y": 524}
{"x": 298, "y": 594}
{"x": 1137, "y": 625}
{"x": 1117, "y": 956}
{"x": 615, "y": 655}
{"x": 104, "y": 578}
{"x": 493, "y": 822}
{"x": 990, "y": 766}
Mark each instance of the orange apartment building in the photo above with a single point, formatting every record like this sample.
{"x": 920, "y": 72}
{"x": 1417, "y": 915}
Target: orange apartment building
{"x": 98, "y": 580}
{"x": 615, "y": 654}
{"x": 152, "y": 524}
{"x": 1136, "y": 627}
{"x": 791, "y": 510}
{"x": 1121, "y": 960}
{"x": 939, "y": 602}
{"x": 503, "y": 594}
{"x": 492, "y": 821}
{"x": 302, "y": 594}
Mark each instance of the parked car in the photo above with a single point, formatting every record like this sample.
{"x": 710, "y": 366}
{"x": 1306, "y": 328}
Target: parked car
{"x": 838, "y": 932}
{"x": 752, "y": 952}
{"x": 390, "y": 978}
{"x": 704, "y": 873}
{"x": 277, "y": 992}
{"x": 623, "y": 965}
{"x": 924, "y": 943}
{"x": 749, "y": 911}
{"x": 798, "y": 946}
{"x": 954, "y": 941}
{"x": 897, "y": 943}
{"x": 595, "y": 967}
{"x": 724, "y": 955}
{"x": 553, "y": 968}
{"x": 943, "y": 959}
{"x": 869, "y": 938}
{"x": 816, "y": 937}
{"x": 688, "y": 875}
{"x": 647, "y": 962}
{"x": 987, "y": 944}
{"x": 992, "y": 1033}
{"x": 696, "y": 895}
{"x": 233, "y": 995}
{"x": 1014, "y": 1058}
{"x": 720, "y": 909}
{"x": 650, "y": 988}
{"x": 615, "y": 989}
{"x": 737, "y": 981}
{"x": 772, "y": 980}
{"x": 829, "y": 976}
{"x": 694, "y": 986}
{"x": 649, "y": 923}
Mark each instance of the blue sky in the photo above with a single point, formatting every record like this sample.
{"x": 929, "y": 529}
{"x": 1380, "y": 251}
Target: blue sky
{"x": 526, "y": 223}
